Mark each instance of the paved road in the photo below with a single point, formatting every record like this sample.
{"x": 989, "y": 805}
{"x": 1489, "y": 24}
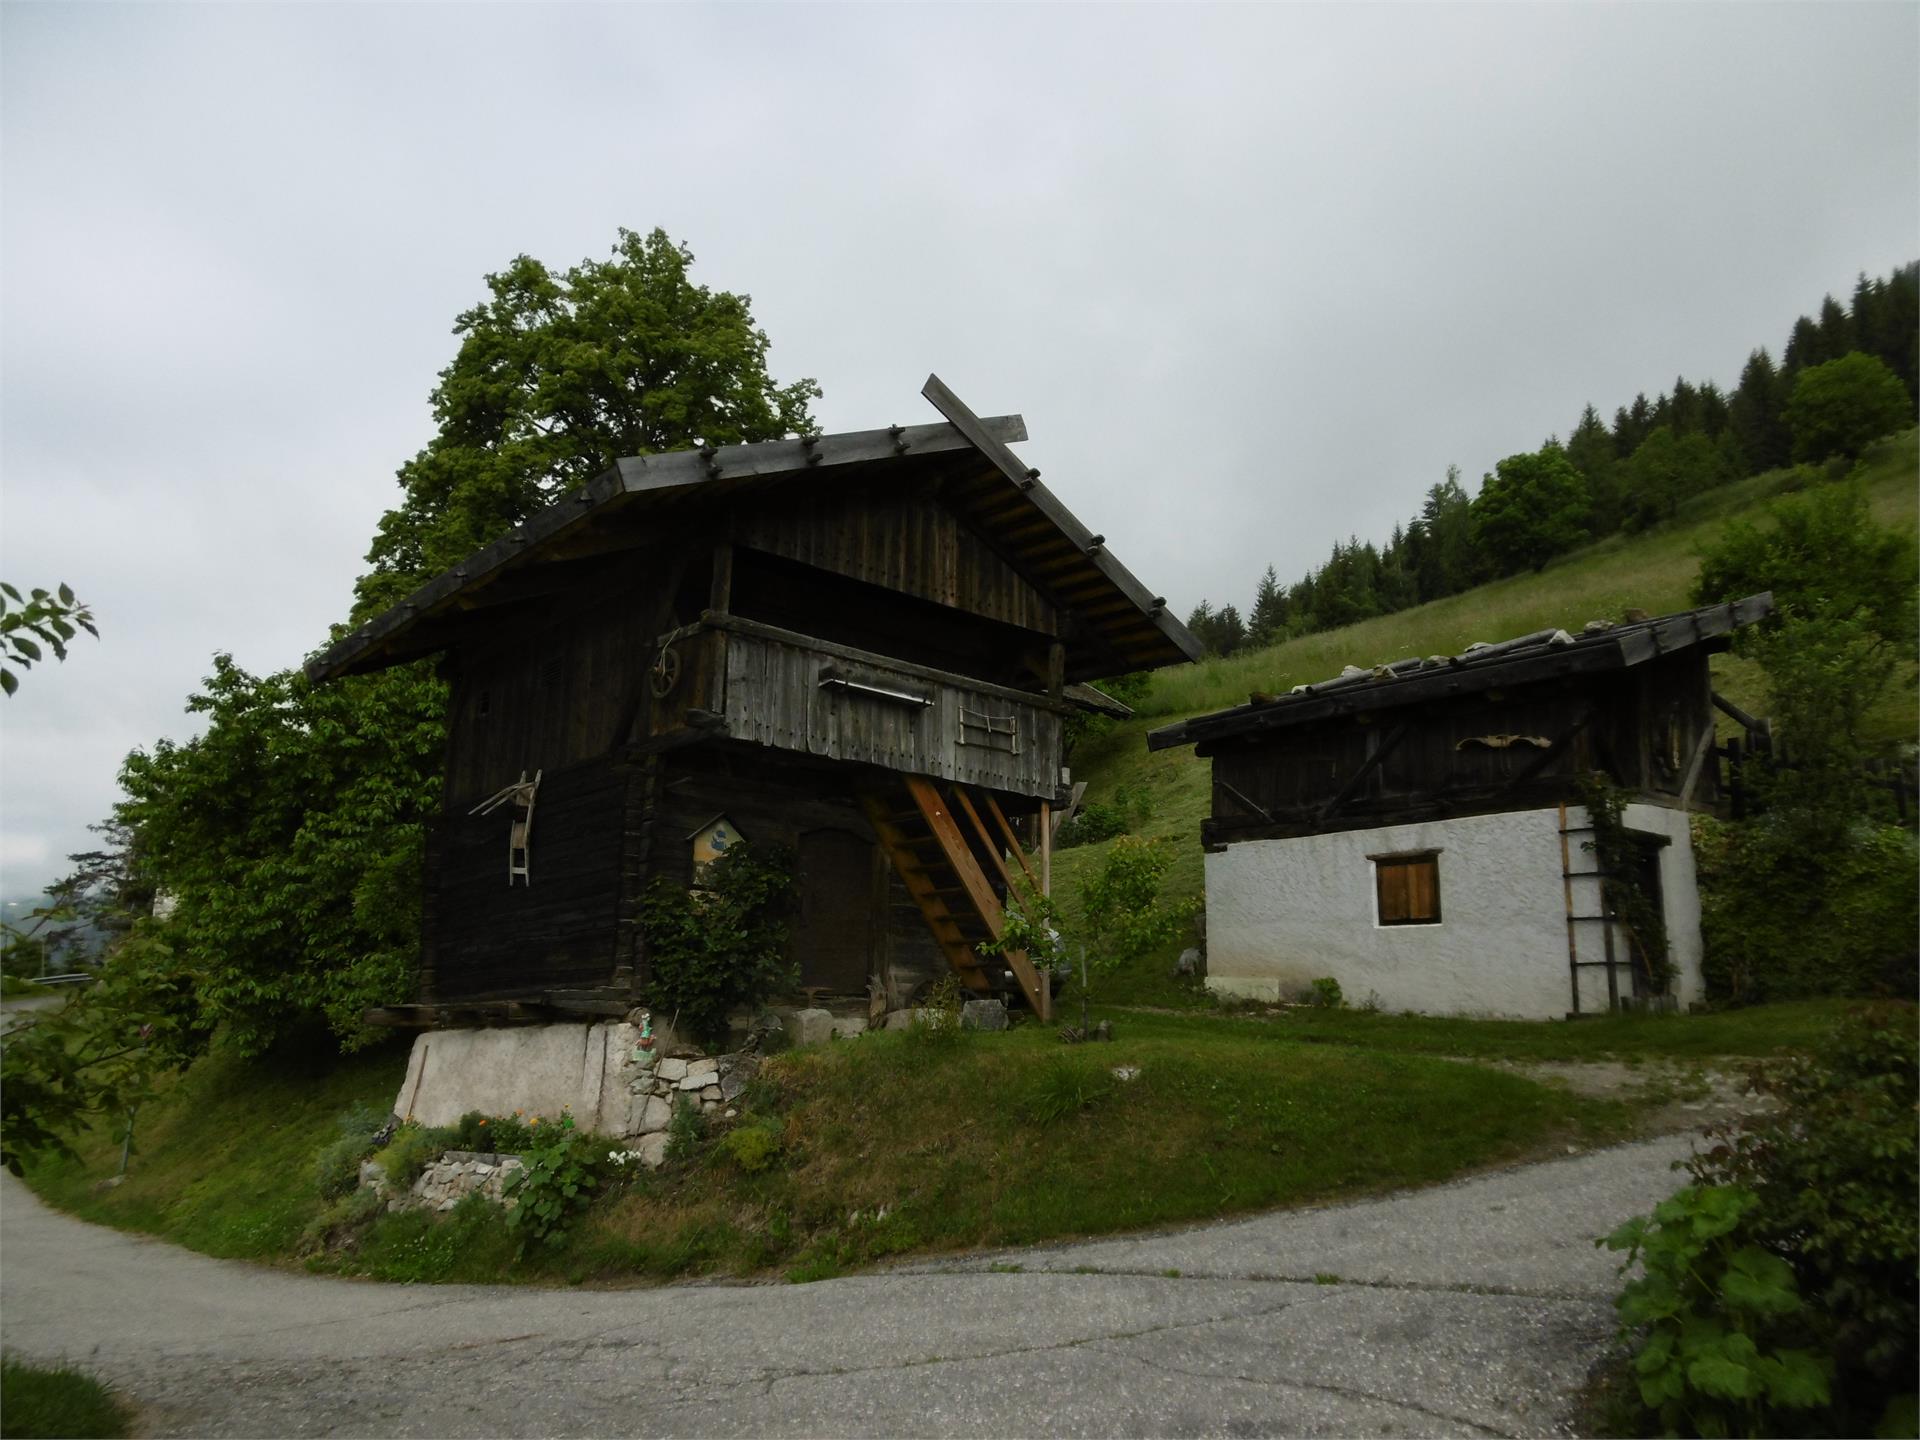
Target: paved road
{"x": 1471, "y": 1309}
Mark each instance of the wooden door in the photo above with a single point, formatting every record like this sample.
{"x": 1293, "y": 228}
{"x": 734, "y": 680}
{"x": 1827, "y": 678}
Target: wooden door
{"x": 833, "y": 934}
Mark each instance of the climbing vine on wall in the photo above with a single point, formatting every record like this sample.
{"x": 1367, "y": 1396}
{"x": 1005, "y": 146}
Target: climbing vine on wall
{"x": 1618, "y": 855}
{"x": 721, "y": 945}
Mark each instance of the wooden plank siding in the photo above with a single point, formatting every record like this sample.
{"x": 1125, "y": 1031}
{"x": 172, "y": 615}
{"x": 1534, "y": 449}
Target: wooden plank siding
{"x": 489, "y": 939}
{"x": 1643, "y": 727}
{"x": 905, "y": 542}
{"x": 774, "y": 697}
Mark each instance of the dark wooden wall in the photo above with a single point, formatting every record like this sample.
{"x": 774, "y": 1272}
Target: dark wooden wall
{"x": 1642, "y": 727}
{"x": 487, "y": 939}
{"x": 559, "y": 686}
{"x": 773, "y": 801}
{"x": 910, "y": 543}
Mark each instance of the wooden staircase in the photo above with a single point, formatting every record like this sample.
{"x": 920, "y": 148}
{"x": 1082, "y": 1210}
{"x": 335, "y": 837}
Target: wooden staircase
{"x": 945, "y": 868}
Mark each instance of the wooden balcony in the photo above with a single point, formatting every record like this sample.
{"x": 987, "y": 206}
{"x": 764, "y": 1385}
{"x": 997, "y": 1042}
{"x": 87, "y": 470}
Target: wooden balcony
{"x": 758, "y": 683}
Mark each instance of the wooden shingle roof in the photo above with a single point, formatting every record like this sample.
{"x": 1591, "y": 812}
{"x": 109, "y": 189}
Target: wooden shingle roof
{"x": 1543, "y": 655}
{"x": 1120, "y": 625}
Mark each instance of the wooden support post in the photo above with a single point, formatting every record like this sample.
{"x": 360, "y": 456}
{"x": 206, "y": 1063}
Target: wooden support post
{"x": 720, "y": 593}
{"x": 1046, "y": 848}
{"x": 1056, "y": 671}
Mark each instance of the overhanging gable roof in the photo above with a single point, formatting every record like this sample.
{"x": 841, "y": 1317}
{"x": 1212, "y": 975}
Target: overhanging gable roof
{"x": 1544, "y": 655}
{"x": 981, "y": 480}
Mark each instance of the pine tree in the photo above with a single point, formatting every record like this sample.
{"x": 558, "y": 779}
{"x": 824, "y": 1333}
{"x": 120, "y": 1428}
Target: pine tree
{"x": 1268, "y": 621}
{"x": 1836, "y": 331}
{"x": 1631, "y": 426}
{"x": 1590, "y": 448}
{"x": 1803, "y": 347}
{"x": 1754, "y": 415}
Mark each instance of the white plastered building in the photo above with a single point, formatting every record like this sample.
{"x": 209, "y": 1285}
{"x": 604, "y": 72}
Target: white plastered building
{"x": 1416, "y": 832}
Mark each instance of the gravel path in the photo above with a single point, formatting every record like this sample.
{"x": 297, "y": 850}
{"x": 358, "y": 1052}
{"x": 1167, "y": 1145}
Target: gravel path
{"x": 1468, "y": 1309}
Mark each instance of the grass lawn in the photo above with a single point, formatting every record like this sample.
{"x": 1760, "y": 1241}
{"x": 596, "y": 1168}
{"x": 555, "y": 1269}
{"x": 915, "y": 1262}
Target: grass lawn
{"x": 223, "y": 1159}
{"x": 1757, "y": 1032}
{"x": 895, "y": 1144}
{"x": 48, "y": 1403}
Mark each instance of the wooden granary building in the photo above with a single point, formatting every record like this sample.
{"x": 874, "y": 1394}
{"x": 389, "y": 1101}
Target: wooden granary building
{"x": 1415, "y": 831}
{"x": 860, "y": 647}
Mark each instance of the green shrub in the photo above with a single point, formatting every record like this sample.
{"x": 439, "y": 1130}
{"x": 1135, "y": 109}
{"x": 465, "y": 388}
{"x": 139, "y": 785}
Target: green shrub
{"x": 1065, "y": 1086}
{"x": 495, "y": 1134}
{"x": 412, "y": 1148}
{"x": 1710, "y": 1313}
{"x": 564, "y": 1166}
{"x": 38, "y": 1401}
{"x": 1326, "y": 993}
{"x": 936, "y": 1020}
{"x": 722, "y": 945}
{"x": 687, "y": 1130}
{"x": 1780, "y": 1293}
{"x": 1789, "y": 923}
{"x": 754, "y": 1147}
{"x": 1833, "y": 1169}
{"x": 337, "y": 1170}
{"x": 1093, "y": 823}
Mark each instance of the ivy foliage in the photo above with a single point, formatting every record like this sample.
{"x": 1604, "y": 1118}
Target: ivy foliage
{"x": 721, "y": 945}
{"x": 1618, "y": 856}
{"x": 290, "y": 834}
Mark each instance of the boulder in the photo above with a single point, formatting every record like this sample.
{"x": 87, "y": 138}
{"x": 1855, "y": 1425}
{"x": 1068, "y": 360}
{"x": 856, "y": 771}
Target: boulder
{"x": 845, "y": 1027}
{"x": 811, "y": 1027}
{"x": 652, "y": 1150}
{"x": 654, "y": 1115}
{"x": 984, "y": 1015}
{"x": 671, "y": 1070}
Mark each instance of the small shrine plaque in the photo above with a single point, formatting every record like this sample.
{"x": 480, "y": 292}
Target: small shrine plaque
{"x": 711, "y": 841}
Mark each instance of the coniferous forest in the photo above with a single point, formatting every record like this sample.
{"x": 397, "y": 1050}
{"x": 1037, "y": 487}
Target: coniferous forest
{"x": 1846, "y": 377}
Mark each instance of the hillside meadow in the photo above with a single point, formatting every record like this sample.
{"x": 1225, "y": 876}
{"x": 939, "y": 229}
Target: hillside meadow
{"x": 1165, "y": 794}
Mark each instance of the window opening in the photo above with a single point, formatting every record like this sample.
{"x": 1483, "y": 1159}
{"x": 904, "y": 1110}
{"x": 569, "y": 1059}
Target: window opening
{"x": 1407, "y": 888}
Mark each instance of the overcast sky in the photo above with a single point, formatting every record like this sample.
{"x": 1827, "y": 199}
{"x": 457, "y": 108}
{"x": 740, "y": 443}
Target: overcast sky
{"x": 1255, "y": 276}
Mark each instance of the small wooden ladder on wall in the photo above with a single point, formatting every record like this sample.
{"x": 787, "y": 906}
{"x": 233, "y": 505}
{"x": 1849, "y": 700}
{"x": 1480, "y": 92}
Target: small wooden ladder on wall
{"x": 940, "y": 864}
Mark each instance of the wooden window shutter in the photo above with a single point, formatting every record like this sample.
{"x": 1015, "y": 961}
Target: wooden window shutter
{"x": 1408, "y": 887}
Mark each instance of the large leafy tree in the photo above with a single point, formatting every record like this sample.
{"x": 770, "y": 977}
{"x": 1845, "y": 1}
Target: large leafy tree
{"x": 1840, "y": 407}
{"x": 290, "y": 833}
{"x": 558, "y": 376}
{"x": 1532, "y": 508}
{"x": 1667, "y": 469}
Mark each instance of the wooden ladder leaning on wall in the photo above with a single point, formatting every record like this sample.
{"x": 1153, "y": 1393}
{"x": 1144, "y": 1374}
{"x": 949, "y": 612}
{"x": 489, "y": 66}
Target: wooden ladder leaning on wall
{"x": 941, "y": 869}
